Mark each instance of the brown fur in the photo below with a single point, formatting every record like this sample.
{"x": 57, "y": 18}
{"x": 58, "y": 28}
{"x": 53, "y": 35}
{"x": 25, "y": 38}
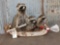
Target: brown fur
{"x": 32, "y": 23}
{"x": 20, "y": 17}
{"x": 7, "y": 27}
{"x": 40, "y": 20}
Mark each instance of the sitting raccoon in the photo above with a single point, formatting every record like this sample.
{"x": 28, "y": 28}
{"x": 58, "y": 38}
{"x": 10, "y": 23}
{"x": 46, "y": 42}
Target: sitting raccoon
{"x": 41, "y": 20}
{"x": 32, "y": 24}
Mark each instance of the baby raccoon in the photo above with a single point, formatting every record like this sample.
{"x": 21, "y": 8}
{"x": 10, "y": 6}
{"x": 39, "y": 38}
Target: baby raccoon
{"x": 40, "y": 20}
{"x": 32, "y": 23}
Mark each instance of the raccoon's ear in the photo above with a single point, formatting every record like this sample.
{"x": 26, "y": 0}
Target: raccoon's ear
{"x": 18, "y": 4}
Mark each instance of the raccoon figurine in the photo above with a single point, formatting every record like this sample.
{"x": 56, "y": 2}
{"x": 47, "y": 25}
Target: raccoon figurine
{"x": 32, "y": 24}
{"x": 41, "y": 20}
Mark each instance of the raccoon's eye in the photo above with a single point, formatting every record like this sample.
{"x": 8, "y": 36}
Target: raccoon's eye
{"x": 21, "y": 7}
{"x": 31, "y": 21}
{"x": 43, "y": 18}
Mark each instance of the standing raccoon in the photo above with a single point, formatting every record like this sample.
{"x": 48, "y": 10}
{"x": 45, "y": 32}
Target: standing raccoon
{"x": 21, "y": 17}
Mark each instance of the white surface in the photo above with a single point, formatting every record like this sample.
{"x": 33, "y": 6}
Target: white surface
{"x": 36, "y": 33}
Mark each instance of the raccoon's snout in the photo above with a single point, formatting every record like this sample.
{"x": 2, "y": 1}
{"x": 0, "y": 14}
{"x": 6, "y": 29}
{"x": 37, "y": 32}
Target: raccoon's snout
{"x": 22, "y": 8}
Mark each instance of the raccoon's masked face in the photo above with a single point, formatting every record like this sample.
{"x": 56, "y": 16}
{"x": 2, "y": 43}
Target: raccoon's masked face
{"x": 21, "y": 7}
{"x": 41, "y": 19}
{"x": 32, "y": 20}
